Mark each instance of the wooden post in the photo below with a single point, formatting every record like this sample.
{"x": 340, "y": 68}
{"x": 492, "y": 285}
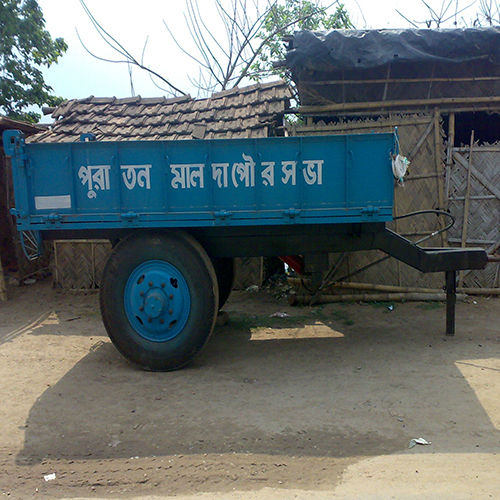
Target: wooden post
{"x": 466, "y": 204}
{"x": 438, "y": 163}
{"x": 449, "y": 156}
{"x": 3, "y": 288}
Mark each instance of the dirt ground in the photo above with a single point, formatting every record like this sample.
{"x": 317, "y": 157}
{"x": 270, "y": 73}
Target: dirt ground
{"x": 321, "y": 404}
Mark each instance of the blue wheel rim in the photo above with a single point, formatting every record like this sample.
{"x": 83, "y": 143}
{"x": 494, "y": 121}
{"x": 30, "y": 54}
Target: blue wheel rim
{"x": 157, "y": 300}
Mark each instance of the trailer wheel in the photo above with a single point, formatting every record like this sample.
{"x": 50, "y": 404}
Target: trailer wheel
{"x": 159, "y": 299}
{"x": 224, "y": 269}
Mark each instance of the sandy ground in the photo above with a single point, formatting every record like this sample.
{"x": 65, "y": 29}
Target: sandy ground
{"x": 319, "y": 405}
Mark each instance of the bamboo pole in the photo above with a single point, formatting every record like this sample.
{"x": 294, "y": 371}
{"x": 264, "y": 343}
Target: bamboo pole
{"x": 479, "y": 291}
{"x": 482, "y": 149}
{"x": 389, "y": 113}
{"x": 399, "y": 289}
{"x": 438, "y": 165}
{"x": 449, "y": 156}
{"x": 401, "y": 80}
{"x": 361, "y": 125}
{"x": 313, "y": 109}
{"x": 370, "y": 297}
{"x": 466, "y": 205}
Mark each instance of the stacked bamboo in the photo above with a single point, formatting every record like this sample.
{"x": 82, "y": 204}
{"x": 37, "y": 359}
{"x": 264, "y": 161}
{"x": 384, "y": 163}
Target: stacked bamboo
{"x": 369, "y": 292}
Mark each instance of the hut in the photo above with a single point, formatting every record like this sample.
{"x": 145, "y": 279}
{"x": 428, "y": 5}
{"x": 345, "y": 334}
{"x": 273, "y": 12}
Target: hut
{"x": 441, "y": 89}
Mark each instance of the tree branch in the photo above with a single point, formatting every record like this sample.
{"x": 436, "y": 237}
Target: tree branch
{"x": 120, "y": 49}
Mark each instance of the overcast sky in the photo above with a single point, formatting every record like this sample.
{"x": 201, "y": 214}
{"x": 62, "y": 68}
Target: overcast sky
{"x": 79, "y": 75}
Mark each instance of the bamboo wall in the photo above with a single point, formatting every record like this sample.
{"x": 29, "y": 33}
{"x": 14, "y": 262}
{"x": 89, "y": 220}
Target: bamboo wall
{"x": 473, "y": 193}
{"x": 421, "y": 140}
{"x": 435, "y": 173}
{"x": 79, "y": 264}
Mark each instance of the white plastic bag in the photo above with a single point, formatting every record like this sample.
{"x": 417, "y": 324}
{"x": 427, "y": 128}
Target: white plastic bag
{"x": 400, "y": 165}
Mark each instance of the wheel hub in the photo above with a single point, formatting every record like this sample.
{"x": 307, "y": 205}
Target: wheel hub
{"x": 157, "y": 300}
{"x": 155, "y": 303}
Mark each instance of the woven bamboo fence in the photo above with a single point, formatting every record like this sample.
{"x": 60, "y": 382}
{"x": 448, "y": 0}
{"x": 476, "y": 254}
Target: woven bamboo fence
{"x": 248, "y": 271}
{"x": 78, "y": 265}
{"x": 421, "y": 140}
{"x": 473, "y": 193}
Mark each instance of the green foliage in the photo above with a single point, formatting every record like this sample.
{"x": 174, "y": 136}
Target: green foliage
{"x": 25, "y": 46}
{"x": 286, "y": 17}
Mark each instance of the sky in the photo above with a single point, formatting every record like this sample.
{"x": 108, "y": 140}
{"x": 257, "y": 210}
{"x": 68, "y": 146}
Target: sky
{"x": 79, "y": 75}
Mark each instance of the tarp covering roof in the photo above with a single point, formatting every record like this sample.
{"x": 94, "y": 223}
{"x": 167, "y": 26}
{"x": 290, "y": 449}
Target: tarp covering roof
{"x": 364, "y": 49}
{"x": 380, "y": 66}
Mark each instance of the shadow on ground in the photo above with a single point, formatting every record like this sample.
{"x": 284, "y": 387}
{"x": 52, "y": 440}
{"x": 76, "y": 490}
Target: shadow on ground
{"x": 288, "y": 389}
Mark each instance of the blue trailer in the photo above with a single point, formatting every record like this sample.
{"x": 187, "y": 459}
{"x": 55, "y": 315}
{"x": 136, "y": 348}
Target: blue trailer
{"x": 178, "y": 212}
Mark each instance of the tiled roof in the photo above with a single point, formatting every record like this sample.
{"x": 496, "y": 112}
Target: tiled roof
{"x": 239, "y": 112}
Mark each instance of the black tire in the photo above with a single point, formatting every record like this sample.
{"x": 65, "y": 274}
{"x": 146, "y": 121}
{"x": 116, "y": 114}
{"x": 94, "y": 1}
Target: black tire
{"x": 224, "y": 269}
{"x": 177, "y": 249}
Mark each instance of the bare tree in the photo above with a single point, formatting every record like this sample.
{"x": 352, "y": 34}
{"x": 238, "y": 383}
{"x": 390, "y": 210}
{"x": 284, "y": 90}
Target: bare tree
{"x": 124, "y": 56}
{"x": 453, "y": 10}
{"x": 489, "y": 12}
{"x": 225, "y": 54}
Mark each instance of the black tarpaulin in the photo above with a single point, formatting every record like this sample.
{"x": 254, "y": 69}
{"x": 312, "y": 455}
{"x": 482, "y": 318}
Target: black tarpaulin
{"x": 365, "y": 49}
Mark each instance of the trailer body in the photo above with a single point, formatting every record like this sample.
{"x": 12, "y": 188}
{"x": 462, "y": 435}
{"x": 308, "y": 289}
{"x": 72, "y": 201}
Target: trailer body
{"x": 177, "y": 213}
{"x": 202, "y": 183}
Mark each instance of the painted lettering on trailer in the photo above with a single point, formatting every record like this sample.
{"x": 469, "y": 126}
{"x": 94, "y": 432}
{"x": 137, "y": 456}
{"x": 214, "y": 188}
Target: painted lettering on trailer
{"x": 96, "y": 177}
{"x": 192, "y": 175}
{"x": 242, "y": 174}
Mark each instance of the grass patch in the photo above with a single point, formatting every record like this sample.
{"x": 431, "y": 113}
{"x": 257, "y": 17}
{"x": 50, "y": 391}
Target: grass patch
{"x": 382, "y": 304}
{"x": 253, "y": 321}
{"x": 249, "y": 321}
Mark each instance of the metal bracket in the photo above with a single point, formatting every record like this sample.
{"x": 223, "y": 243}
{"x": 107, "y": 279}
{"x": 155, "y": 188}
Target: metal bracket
{"x": 129, "y": 216}
{"x": 17, "y": 214}
{"x": 292, "y": 213}
{"x": 53, "y": 218}
{"x": 87, "y": 137}
{"x": 223, "y": 214}
{"x": 369, "y": 210}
